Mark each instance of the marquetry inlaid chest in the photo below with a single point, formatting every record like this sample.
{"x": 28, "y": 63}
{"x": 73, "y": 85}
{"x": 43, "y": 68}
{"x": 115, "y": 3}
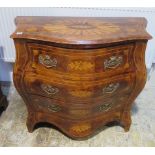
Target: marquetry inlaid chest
{"x": 79, "y": 73}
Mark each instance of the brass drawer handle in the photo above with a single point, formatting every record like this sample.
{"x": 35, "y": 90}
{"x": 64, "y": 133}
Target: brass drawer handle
{"x": 105, "y": 107}
{"x": 47, "y": 61}
{"x": 50, "y": 90}
{"x": 113, "y": 62}
{"x": 112, "y": 87}
{"x": 54, "y": 108}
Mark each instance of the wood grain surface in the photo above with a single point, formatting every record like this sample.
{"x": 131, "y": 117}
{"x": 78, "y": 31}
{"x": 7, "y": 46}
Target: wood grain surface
{"x": 81, "y": 30}
{"x": 79, "y": 73}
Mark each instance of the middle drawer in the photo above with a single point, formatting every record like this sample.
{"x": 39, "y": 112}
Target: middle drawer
{"x": 78, "y": 91}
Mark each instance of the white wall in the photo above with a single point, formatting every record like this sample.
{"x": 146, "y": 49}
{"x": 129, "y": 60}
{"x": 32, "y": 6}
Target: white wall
{"x": 5, "y": 71}
{"x": 7, "y": 15}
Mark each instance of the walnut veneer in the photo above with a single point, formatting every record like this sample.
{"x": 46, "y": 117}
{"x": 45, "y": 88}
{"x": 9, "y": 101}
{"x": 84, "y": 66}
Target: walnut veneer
{"x": 79, "y": 73}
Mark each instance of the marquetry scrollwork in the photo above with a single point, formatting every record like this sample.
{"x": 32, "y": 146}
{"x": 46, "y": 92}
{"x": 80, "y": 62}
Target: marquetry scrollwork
{"x": 111, "y": 88}
{"x": 47, "y": 61}
{"x": 81, "y": 65}
{"x": 80, "y": 128}
{"x": 113, "y": 62}
{"x": 50, "y": 90}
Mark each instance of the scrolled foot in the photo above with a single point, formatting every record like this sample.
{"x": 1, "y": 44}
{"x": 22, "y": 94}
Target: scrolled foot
{"x": 126, "y": 121}
{"x": 30, "y": 123}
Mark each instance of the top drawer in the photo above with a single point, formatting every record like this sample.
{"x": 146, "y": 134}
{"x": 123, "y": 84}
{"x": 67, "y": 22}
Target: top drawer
{"x": 48, "y": 59}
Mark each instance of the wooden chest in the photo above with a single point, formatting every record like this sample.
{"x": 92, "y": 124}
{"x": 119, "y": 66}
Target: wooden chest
{"x": 79, "y": 73}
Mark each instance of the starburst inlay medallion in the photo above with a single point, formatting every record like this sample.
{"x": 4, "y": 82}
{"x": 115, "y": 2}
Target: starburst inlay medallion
{"x": 81, "y": 28}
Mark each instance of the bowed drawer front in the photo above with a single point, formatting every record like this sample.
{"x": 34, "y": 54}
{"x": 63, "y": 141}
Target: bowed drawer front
{"x": 62, "y": 110}
{"x": 79, "y": 73}
{"x": 52, "y": 59}
{"x": 73, "y": 92}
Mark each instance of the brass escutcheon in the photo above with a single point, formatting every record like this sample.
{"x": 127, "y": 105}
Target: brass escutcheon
{"x": 50, "y": 90}
{"x": 112, "y": 87}
{"x": 113, "y": 62}
{"x": 47, "y": 61}
{"x": 105, "y": 107}
{"x": 53, "y": 108}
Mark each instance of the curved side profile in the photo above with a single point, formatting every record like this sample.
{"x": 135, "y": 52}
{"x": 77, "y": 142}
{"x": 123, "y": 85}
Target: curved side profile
{"x": 79, "y": 83}
{"x": 86, "y": 125}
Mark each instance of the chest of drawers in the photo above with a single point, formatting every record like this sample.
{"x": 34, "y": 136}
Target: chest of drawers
{"x": 79, "y": 73}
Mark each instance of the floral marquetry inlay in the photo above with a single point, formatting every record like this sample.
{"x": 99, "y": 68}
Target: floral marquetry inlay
{"x": 81, "y": 66}
{"x": 81, "y": 93}
{"x": 80, "y": 128}
{"x": 78, "y": 113}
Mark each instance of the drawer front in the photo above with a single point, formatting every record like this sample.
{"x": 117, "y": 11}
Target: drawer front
{"x": 57, "y": 108}
{"x": 43, "y": 104}
{"x": 79, "y": 92}
{"x": 47, "y": 59}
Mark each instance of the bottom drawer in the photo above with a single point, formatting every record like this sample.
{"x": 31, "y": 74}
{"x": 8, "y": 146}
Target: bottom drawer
{"x": 61, "y": 109}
